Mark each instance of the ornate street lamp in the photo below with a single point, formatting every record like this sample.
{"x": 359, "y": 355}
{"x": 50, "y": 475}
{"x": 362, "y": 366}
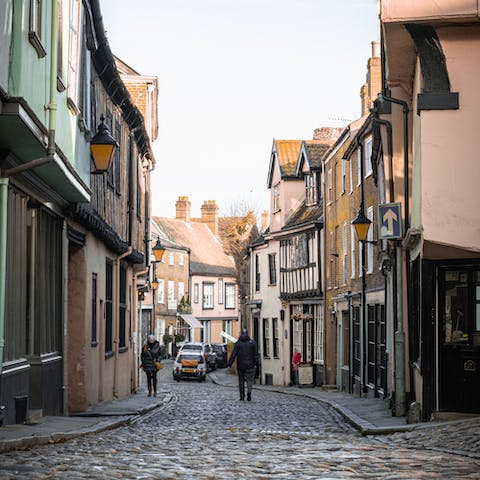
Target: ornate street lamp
{"x": 154, "y": 284}
{"x": 102, "y": 147}
{"x": 158, "y": 251}
{"x": 362, "y": 225}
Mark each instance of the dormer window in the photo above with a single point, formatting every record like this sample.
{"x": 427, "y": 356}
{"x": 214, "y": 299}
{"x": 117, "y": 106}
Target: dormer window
{"x": 311, "y": 189}
{"x": 276, "y": 198}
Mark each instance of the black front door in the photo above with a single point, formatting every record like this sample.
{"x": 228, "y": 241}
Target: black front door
{"x": 459, "y": 339}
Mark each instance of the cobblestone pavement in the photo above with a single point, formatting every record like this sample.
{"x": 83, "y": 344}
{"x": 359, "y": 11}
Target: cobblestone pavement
{"x": 205, "y": 432}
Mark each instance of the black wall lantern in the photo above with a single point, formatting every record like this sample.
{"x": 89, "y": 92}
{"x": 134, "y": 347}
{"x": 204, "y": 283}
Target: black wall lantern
{"x": 102, "y": 147}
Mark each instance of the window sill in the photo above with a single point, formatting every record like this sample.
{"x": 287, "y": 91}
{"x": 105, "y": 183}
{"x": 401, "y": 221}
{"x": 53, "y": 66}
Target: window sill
{"x": 72, "y": 106}
{"x": 123, "y": 349}
{"x": 94, "y": 344}
{"x": 36, "y": 43}
{"x": 108, "y": 355}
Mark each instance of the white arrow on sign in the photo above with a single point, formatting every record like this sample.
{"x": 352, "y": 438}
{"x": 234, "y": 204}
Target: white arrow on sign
{"x": 390, "y": 216}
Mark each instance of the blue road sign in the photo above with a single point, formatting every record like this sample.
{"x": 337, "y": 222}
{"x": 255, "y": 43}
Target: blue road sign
{"x": 390, "y": 220}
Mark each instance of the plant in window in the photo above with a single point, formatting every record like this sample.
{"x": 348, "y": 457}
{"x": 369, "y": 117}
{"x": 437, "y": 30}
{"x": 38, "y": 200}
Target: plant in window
{"x": 184, "y": 306}
{"x": 179, "y": 337}
{"x": 167, "y": 338}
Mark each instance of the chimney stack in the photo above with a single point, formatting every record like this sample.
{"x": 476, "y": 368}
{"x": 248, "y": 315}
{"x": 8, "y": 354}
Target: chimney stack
{"x": 373, "y": 85}
{"x": 210, "y": 215}
{"x": 182, "y": 209}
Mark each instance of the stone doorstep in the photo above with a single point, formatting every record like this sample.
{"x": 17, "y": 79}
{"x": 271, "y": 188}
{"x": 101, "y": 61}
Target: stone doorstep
{"x": 445, "y": 416}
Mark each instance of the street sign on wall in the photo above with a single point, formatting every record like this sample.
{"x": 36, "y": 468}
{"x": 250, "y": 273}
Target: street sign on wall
{"x": 390, "y": 220}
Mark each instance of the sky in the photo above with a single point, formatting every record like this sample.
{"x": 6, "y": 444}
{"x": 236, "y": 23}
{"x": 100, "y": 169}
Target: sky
{"x": 235, "y": 74}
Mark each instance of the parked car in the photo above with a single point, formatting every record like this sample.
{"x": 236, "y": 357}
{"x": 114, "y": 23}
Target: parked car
{"x": 190, "y": 365}
{"x": 204, "y": 349}
{"x": 222, "y": 355}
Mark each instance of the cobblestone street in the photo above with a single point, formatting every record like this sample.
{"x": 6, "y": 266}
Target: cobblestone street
{"x": 205, "y": 432}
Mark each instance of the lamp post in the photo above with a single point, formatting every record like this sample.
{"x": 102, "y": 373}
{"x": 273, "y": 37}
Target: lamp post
{"x": 158, "y": 251}
{"x": 362, "y": 225}
{"x": 154, "y": 285}
{"x": 102, "y": 147}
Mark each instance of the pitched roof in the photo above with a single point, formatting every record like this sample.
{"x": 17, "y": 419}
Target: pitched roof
{"x": 206, "y": 252}
{"x": 313, "y": 150}
{"x": 304, "y": 214}
{"x": 286, "y": 153}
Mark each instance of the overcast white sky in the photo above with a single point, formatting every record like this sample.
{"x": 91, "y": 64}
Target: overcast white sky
{"x": 234, "y": 75}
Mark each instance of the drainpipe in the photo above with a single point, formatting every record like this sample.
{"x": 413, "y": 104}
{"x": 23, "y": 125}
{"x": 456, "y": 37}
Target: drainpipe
{"x": 117, "y": 319}
{"x": 399, "y": 333}
{"x": 52, "y": 105}
{"x": 137, "y": 333}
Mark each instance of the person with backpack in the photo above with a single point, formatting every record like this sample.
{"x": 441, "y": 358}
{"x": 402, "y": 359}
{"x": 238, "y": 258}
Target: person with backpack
{"x": 245, "y": 352}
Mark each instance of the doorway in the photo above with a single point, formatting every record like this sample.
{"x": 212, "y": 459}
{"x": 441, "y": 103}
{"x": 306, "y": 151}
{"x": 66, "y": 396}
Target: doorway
{"x": 459, "y": 339}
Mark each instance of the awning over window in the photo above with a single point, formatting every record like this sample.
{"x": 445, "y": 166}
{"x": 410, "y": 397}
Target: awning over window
{"x": 191, "y": 320}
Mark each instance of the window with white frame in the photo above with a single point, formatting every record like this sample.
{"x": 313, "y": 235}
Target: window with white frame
{"x": 229, "y": 295}
{"x": 359, "y": 167}
{"x": 344, "y": 253}
{"x": 353, "y": 243}
{"x": 227, "y": 326}
{"x": 266, "y": 337}
{"x": 370, "y": 239}
{"x": 196, "y": 293}
{"x": 172, "y": 304}
{"x": 331, "y": 247}
{"x": 181, "y": 259}
{"x": 319, "y": 329}
{"x": 367, "y": 151}
{"x": 311, "y": 188}
{"x": 207, "y": 296}
{"x": 276, "y": 198}
{"x": 220, "y": 290}
{"x": 161, "y": 291}
{"x": 276, "y": 340}
{"x": 360, "y": 259}
{"x": 350, "y": 174}
{"x": 330, "y": 186}
{"x": 344, "y": 175}
{"x": 207, "y": 331}
{"x": 181, "y": 291}
{"x": 272, "y": 269}
{"x": 73, "y": 54}
{"x": 171, "y": 258}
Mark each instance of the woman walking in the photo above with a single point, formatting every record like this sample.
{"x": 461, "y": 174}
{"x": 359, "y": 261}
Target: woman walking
{"x": 149, "y": 356}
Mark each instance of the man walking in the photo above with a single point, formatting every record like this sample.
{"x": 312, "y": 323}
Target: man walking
{"x": 246, "y": 353}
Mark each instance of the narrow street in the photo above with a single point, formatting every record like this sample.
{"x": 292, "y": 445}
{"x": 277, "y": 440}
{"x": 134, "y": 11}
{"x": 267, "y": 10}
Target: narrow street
{"x": 207, "y": 433}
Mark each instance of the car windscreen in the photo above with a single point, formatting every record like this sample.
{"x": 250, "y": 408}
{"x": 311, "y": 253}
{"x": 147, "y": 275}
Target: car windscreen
{"x": 189, "y": 346}
{"x": 218, "y": 348}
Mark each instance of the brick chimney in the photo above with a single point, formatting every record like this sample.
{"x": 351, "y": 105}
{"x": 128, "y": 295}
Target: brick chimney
{"x": 182, "y": 209}
{"x": 373, "y": 85}
{"x": 210, "y": 215}
{"x": 327, "y": 135}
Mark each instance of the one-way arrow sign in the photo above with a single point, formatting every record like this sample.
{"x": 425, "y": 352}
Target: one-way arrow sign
{"x": 390, "y": 220}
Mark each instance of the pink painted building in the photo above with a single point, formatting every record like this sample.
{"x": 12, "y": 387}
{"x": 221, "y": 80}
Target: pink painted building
{"x": 430, "y": 52}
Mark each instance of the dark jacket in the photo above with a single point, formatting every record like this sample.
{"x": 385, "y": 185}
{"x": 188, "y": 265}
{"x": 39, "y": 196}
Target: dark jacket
{"x": 246, "y": 353}
{"x": 150, "y": 353}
